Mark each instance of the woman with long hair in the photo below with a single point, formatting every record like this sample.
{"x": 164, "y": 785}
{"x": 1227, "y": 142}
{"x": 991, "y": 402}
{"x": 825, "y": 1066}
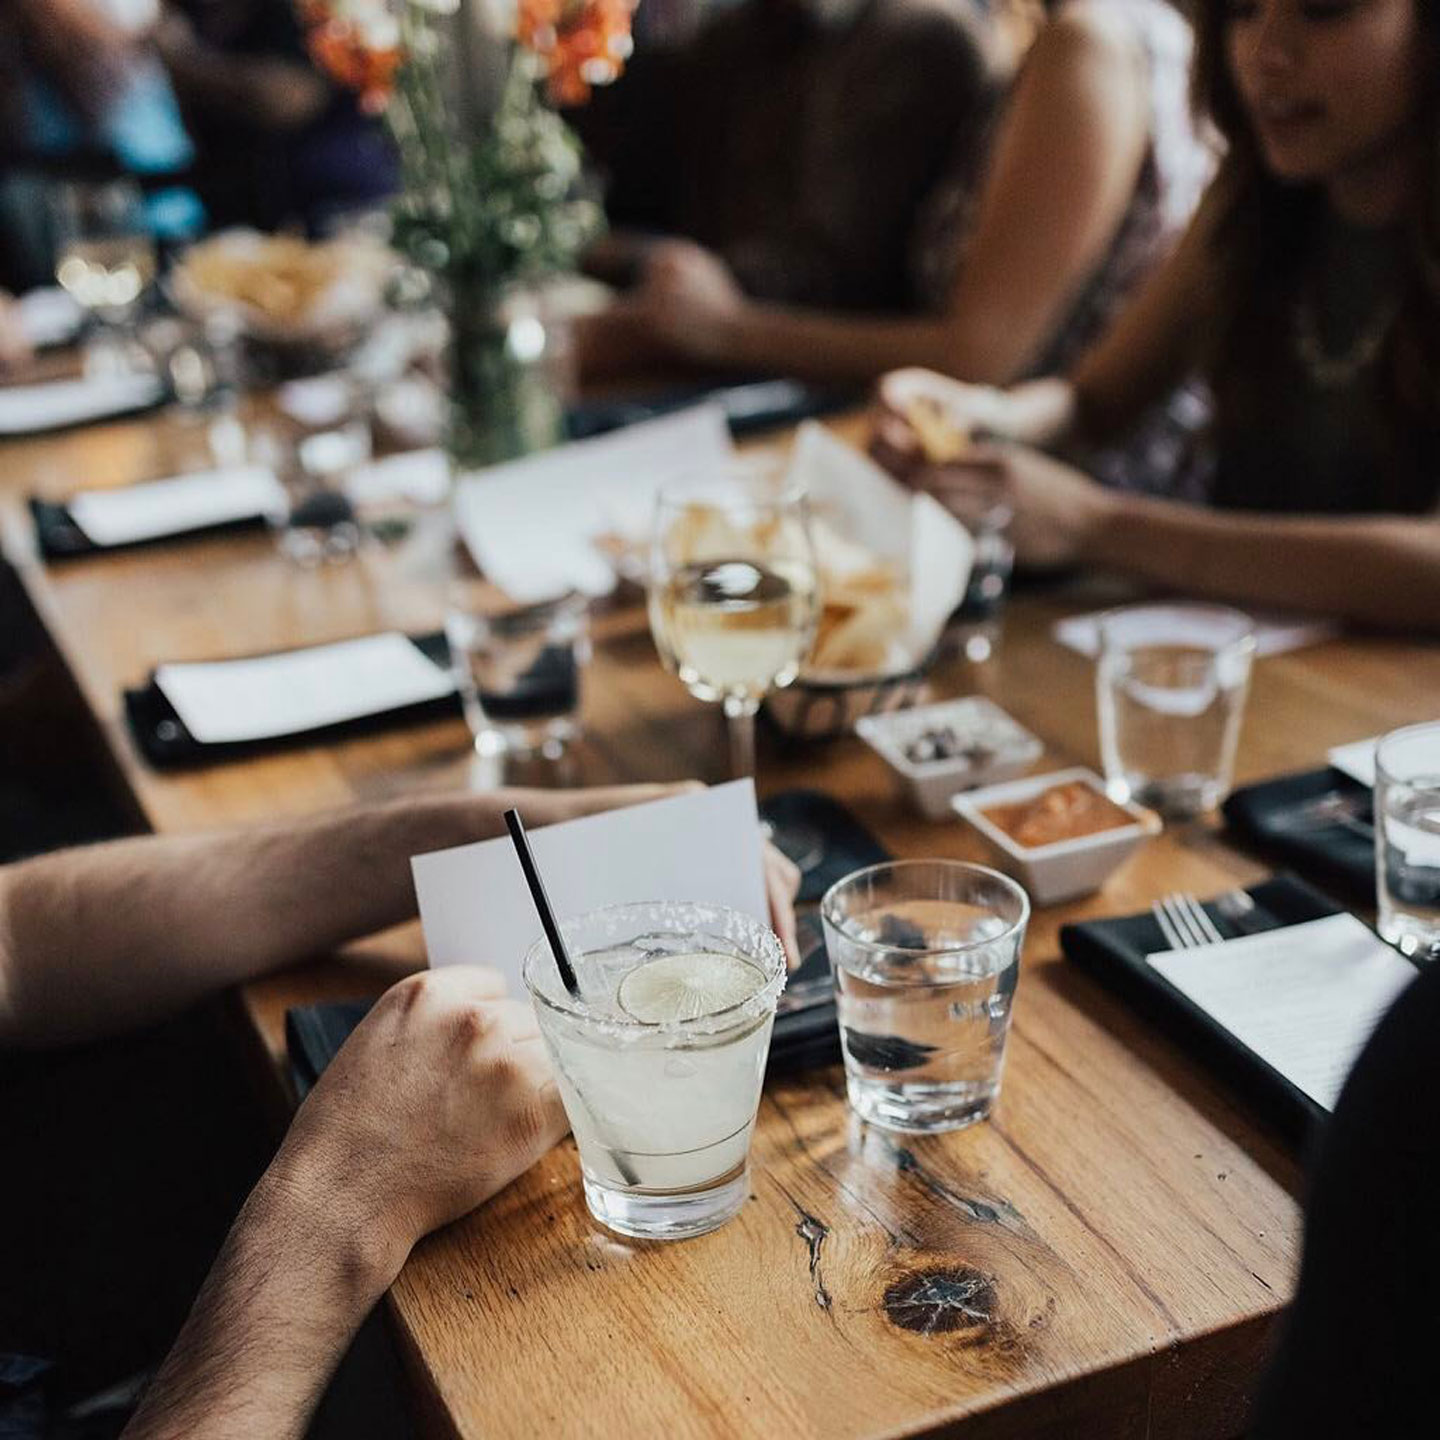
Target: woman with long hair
{"x": 1093, "y": 170}
{"x": 1307, "y": 291}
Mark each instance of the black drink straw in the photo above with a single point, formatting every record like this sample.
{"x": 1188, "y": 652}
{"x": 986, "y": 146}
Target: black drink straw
{"x": 516, "y": 826}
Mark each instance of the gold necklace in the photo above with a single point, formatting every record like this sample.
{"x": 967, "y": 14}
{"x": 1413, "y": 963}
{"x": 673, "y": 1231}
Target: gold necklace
{"x": 1334, "y": 372}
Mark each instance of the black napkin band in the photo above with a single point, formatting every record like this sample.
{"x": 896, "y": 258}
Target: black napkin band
{"x": 1114, "y": 952}
{"x": 1316, "y": 823}
{"x": 167, "y": 744}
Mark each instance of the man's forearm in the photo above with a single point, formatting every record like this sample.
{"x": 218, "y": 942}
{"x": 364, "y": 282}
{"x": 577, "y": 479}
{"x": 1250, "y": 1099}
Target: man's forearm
{"x": 1378, "y": 570}
{"x": 291, "y": 1286}
{"x": 115, "y": 935}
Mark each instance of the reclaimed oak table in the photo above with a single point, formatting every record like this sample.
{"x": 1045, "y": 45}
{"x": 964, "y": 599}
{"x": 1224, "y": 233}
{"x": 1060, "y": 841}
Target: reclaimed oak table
{"x": 1105, "y": 1257}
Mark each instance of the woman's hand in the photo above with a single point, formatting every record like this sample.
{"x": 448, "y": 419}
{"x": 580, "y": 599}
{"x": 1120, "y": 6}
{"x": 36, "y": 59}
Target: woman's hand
{"x": 1058, "y": 510}
{"x": 923, "y": 418}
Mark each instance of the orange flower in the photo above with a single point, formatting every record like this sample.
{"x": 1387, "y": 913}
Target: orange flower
{"x": 582, "y": 42}
{"x": 354, "y": 48}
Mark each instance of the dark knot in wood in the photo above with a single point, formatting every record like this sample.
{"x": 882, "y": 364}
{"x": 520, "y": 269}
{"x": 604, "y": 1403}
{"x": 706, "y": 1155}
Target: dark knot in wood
{"x": 942, "y": 1301}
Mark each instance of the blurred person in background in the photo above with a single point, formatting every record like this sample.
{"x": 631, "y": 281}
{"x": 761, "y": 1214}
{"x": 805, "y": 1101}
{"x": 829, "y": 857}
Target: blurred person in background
{"x": 1306, "y": 291}
{"x": 793, "y": 146}
{"x": 279, "y": 143}
{"x": 1095, "y": 168}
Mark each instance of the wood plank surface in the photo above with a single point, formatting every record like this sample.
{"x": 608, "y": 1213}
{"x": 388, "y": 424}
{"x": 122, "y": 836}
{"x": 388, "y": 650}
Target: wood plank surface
{"x": 1104, "y": 1258}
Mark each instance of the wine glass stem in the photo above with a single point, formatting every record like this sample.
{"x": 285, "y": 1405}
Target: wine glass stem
{"x": 740, "y": 715}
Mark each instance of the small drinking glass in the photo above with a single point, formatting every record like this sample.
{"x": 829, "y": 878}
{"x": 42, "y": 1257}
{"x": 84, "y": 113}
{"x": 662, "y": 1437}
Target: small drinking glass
{"x": 1170, "y": 685}
{"x": 926, "y": 954}
{"x": 976, "y": 625}
{"x": 518, "y": 669}
{"x": 105, "y": 259}
{"x": 660, "y": 1058}
{"x": 733, "y": 592}
{"x": 1407, "y": 839}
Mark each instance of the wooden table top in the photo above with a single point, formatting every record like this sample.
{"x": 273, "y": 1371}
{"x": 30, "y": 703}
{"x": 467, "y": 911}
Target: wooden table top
{"x": 1124, "y": 1228}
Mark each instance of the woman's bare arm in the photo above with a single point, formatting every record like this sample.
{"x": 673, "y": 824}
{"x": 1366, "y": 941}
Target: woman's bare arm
{"x": 1064, "y": 169}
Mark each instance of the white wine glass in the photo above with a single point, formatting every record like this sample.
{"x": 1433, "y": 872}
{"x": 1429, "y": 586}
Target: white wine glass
{"x": 733, "y": 592}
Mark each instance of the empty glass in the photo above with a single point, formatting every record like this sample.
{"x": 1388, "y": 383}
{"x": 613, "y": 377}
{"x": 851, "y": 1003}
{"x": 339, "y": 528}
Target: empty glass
{"x": 1407, "y": 839}
{"x": 975, "y": 626}
{"x": 518, "y": 669}
{"x": 926, "y": 954}
{"x": 1170, "y": 684}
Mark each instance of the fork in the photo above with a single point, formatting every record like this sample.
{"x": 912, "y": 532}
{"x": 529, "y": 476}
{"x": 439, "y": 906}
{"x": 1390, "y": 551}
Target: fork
{"x": 1184, "y": 922}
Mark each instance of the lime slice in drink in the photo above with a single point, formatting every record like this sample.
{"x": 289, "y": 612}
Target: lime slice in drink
{"x": 685, "y": 987}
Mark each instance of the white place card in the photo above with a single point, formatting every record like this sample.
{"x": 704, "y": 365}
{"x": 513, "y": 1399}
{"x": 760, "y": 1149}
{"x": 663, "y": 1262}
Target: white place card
{"x": 531, "y": 525}
{"x": 269, "y": 696}
{"x": 1304, "y": 998}
{"x": 1275, "y": 634}
{"x": 1357, "y": 759}
{"x": 176, "y": 506}
{"x": 33, "y": 409}
{"x": 476, "y": 909}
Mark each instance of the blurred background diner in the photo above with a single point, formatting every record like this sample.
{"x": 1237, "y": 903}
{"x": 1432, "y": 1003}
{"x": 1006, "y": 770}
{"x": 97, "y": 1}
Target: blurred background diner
{"x": 997, "y": 434}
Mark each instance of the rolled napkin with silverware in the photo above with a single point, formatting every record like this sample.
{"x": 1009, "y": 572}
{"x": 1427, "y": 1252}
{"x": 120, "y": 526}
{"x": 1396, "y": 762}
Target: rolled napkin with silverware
{"x": 1274, "y": 987}
{"x": 1318, "y": 823}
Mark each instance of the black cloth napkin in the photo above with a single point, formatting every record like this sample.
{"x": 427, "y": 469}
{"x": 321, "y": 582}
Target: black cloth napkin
{"x": 806, "y": 1036}
{"x": 167, "y": 744}
{"x": 750, "y": 406}
{"x": 1318, "y": 824}
{"x": 58, "y": 537}
{"x": 1114, "y": 952}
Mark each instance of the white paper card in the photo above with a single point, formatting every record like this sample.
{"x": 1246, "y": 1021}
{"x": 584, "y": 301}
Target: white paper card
{"x": 172, "y": 507}
{"x": 31, "y": 409}
{"x": 1357, "y": 760}
{"x": 531, "y": 525}
{"x": 1274, "y": 633}
{"x": 273, "y": 695}
{"x": 1303, "y": 998}
{"x": 476, "y": 909}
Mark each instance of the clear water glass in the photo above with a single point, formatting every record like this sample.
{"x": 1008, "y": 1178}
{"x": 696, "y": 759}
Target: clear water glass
{"x": 975, "y": 627}
{"x": 1407, "y": 839}
{"x": 926, "y": 955}
{"x": 1170, "y": 684}
{"x": 519, "y": 670}
{"x": 662, "y": 1112}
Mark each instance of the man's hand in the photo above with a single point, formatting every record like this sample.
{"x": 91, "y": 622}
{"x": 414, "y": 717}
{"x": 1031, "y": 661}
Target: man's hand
{"x": 440, "y": 1098}
{"x": 1058, "y": 511}
{"x": 688, "y": 298}
{"x": 782, "y": 885}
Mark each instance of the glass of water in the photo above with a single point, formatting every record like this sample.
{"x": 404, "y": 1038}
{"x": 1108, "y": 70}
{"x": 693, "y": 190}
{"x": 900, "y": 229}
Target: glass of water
{"x": 518, "y": 669}
{"x": 926, "y": 954}
{"x": 975, "y": 626}
{"x": 660, "y": 1058}
{"x": 1407, "y": 839}
{"x": 1170, "y": 684}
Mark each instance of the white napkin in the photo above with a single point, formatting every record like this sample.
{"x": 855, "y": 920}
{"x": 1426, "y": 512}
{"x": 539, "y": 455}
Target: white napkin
{"x": 287, "y": 694}
{"x": 33, "y": 409}
{"x": 49, "y": 316}
{"x": 531, "y": 525}
{"x": 1304, "y": 998}
{"x": 173, "y": 507}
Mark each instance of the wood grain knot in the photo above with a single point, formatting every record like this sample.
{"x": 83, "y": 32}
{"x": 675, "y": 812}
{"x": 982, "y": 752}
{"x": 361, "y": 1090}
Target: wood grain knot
{"x": 940, "y": 1302}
